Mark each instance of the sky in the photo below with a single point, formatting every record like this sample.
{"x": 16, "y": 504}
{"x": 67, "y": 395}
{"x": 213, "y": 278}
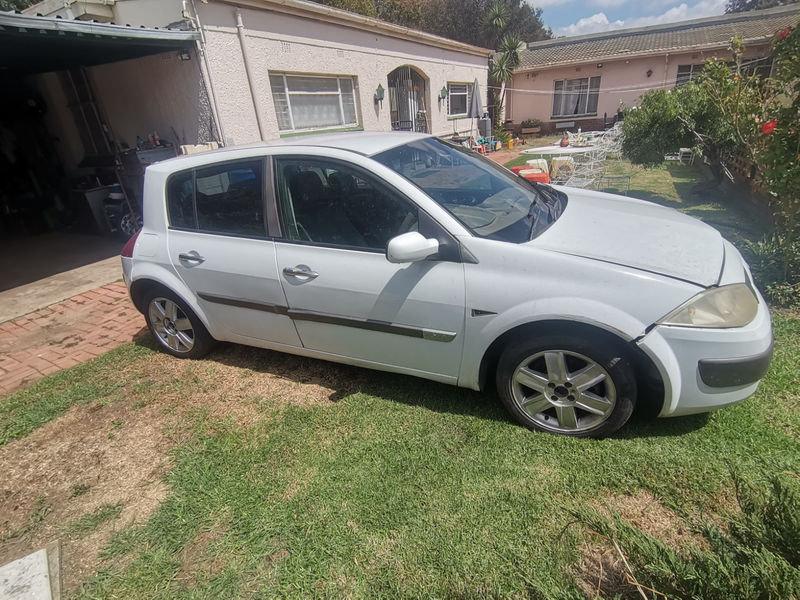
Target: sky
{"x": 578, "y": 17}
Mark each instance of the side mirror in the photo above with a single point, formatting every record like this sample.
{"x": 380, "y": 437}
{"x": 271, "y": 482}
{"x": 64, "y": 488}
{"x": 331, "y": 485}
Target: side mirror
{"x": 410, "y": 247}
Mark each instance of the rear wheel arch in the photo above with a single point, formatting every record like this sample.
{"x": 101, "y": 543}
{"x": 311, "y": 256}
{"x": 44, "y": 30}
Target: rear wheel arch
{"x": 648, "y": 377}
{"x": 141, "y": 287}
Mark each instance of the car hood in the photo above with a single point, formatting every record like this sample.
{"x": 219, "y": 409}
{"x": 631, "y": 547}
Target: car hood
{"x": 637, "y": 234}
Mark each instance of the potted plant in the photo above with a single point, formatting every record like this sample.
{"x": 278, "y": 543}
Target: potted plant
{"x": 531, "y": 126}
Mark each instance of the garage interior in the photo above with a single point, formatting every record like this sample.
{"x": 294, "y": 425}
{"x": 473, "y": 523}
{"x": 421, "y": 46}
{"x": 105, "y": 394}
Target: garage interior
{"x": 56, "y": 217}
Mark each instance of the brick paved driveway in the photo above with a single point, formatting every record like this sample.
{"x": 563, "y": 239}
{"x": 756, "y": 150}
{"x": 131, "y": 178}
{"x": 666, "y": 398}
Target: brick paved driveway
{"x": 66, "y": 334}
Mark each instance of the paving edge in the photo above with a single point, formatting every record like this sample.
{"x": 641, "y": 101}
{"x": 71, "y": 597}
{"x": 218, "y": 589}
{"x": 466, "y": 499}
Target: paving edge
{"x": 54, "y": 566}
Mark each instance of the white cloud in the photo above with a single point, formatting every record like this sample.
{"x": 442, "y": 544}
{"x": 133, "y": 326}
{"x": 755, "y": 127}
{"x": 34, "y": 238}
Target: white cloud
{"x": 546, "y": 3}
{"x": 599, "y": 22}
{"x": 607, "y": 3}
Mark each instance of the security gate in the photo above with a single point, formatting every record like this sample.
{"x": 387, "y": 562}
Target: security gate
{"x": 407, "y": 100}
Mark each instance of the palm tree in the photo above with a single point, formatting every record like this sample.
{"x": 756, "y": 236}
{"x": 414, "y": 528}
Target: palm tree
{"x": 509, "y": 46}
{"x": 495, "y": 21}
{"x": 501, "y": 72}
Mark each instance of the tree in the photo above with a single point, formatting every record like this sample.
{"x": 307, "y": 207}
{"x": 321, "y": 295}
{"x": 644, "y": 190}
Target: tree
{"x": 362, "y": 7}
{"x": 407, "y": 13}
{"x": 460, "y": 20}
{"x": 779, "y": 152}
{"x": 727, "y": 112}
{"x": 737, "y": 6}
{"x": 16, "y": 4}
{"x": 713, "y": 113}
{"x": 495, "y": 22}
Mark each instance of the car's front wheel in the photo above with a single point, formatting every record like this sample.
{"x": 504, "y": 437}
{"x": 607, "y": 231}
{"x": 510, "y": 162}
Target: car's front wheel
{"x": 175, "y": 326}
{"x": 567, "y": 385}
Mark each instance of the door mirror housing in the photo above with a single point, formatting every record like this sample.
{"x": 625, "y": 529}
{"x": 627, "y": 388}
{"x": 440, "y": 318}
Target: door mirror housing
{"x": 410, "y": 247}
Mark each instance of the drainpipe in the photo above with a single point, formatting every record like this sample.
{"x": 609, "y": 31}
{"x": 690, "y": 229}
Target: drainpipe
{"x": 201, "y": 49}
{"x": 666, "y": 68}
{"x": 249, "y": 72}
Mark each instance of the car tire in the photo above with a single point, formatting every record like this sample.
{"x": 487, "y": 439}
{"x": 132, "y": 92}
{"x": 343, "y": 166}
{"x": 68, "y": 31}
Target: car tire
{"x": 567, "y": 385}
{"x": 174, "y": 325}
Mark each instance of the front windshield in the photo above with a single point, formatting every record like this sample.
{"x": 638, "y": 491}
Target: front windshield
{"x": 489, "y": 200}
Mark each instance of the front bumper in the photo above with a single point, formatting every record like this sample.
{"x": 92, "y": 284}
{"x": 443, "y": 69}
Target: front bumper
{"x": 706, "y": 369}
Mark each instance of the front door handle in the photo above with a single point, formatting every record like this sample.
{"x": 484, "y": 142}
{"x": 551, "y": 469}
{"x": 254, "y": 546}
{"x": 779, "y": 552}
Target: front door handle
{"x": 192, "y": 257}
{"x": 298, "y": 272}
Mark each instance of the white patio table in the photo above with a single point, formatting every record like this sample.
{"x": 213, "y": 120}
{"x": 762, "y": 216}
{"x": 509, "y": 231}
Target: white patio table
{"x": 557, "y": 150}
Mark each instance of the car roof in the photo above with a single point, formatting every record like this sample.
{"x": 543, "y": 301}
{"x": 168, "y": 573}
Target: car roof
{"x": 367, "y": 143}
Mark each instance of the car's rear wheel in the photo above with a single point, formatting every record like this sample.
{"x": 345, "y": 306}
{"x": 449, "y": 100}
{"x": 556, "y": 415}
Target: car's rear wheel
{"x": 175, "y": 326}
{"x": 567, "y": 385}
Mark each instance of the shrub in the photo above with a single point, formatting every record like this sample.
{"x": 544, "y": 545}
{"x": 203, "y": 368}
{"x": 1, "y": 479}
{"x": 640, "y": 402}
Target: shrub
{"x": 501, "y": 135}
{"x": 756, "y": 554}
{"x": 530, "y": 123}
{"x": 767, "y": 259}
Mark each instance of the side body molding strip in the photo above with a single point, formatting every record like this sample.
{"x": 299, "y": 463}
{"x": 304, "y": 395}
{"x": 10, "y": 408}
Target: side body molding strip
{"x": 425, "y": 333}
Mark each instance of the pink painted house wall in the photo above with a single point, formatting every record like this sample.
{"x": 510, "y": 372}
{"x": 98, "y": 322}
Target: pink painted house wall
{"x": 622, "y": 81}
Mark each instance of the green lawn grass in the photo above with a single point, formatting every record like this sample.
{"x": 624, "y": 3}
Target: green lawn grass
{"x": 407, "y": 488}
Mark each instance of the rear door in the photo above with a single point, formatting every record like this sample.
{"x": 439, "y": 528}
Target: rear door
{"x": 344, "y": 296}
{"x": 219, "y": 246}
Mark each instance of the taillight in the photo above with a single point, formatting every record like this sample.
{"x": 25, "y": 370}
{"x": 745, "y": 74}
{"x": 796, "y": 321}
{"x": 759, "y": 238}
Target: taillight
{"x": 127, "y": 251}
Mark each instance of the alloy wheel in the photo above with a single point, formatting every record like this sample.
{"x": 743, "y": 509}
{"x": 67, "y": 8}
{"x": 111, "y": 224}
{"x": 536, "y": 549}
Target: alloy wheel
{"x": 564, "y": 391}
{"x": 171, "y": 324}
{"x": 128, "y": 225}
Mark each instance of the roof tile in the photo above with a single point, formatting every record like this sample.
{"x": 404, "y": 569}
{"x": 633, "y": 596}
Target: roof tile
{"x": 711, "y": 32}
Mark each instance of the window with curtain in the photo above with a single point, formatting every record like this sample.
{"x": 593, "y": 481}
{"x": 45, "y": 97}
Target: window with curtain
{"x": 687, "y": 72}
{"x": 576, "y": 97}
{"x": 458, "y": 95}
{"x": 304, "y": 102}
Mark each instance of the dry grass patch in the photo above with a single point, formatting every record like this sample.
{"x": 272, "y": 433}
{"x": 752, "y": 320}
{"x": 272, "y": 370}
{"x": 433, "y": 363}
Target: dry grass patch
{"x": 602, "y": 570}
{"x": 115, "y": 450}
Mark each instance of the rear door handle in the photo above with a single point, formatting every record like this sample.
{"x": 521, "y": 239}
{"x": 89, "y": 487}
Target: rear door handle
{"x": 192, "y": 257}
{"x": 298, "y": 272}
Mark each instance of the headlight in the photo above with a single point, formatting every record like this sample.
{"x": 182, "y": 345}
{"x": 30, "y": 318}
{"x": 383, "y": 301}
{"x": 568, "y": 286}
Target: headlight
{"x": 727, "y": 306}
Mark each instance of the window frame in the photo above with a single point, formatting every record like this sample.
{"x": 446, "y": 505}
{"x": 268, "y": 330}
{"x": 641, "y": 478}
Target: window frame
{"x": 694, "y": 71}
{"x": 276, "y": 177}
{"x": 585, "y": 96}
{"x": 467, "y": 94}
{"x": 271, "y": 224}
{"x": 287, "y": 95}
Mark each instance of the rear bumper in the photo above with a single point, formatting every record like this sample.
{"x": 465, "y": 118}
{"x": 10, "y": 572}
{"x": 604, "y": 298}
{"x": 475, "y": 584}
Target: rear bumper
{"x": 706, "y": 369}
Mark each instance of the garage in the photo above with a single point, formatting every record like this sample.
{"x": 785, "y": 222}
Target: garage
{"x": 85, "y": 107}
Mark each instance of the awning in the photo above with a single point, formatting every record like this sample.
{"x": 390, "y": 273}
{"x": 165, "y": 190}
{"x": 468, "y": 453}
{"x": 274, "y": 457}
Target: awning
{"x": 31, "y": 44}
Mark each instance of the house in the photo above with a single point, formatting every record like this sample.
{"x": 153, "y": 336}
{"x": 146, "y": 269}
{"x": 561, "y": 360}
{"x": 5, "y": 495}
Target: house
{"x": 89, "y": 85}
{"x": 582, "y": 81}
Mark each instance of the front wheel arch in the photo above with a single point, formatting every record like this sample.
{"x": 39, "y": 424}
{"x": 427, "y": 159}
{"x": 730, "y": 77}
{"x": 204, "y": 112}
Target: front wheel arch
{"x": 648, "y": 377}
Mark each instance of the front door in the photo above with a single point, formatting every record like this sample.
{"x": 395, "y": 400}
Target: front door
{"x": 344, "y": 296}
{"x": 218, "y": 245}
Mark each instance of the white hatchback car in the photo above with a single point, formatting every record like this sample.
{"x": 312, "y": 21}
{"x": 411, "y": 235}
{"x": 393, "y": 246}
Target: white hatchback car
{"x": 404, "y": 253}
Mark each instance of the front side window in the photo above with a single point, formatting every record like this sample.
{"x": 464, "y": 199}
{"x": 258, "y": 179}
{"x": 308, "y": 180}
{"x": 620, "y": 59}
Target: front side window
{"x": 688, "y": 72}
{"x": 458, "y": 95}
{"x": 226, "y": 199}
{"x": 486, "y": 198}
{"x": 303, "y": 102}
{"x": 328, "y": 202}
{"x": 576, "y": 97}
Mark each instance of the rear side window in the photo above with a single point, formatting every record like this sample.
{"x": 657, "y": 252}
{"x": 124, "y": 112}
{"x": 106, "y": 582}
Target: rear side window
{"x": 180, "y": 201}
{"x": 230, "y": 199}
{"x": 225, "y": 199}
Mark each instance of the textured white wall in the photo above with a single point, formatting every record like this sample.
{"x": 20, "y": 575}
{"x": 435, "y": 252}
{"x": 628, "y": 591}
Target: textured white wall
{"x": 155, "y": 93}
{"x": 321, "y": 48}
{"x": 150, "y": 13}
